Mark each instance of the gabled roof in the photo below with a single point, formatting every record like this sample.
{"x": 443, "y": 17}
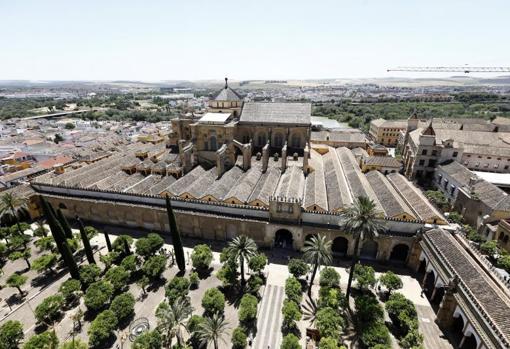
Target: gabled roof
{"x": 276, "y": 113}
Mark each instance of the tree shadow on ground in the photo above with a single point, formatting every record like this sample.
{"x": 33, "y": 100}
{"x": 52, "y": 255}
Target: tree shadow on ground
{"x": 204, "y": 273}
{"x": 155, "y": 285}
{"x": 126, "y": 322}
{"x": 290, "y": 330}
{"x": 46, "y": 278}
{"x": 16, "y": 298}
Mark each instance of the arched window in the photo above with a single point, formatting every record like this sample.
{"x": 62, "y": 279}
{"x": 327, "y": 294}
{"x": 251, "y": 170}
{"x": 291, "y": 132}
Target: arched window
{"x": 213, "y": 143}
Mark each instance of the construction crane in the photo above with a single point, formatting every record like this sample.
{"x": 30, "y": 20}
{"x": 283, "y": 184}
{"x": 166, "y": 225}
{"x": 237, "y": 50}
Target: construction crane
{"x": 465, "y": 69}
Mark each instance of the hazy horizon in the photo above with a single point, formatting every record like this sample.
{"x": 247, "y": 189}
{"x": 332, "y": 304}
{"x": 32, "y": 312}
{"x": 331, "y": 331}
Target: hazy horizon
{"x": 289, "y": 40}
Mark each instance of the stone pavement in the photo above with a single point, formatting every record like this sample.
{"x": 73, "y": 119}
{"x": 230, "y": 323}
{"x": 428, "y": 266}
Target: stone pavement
{"x": 269, "y": 318}
{"x": 269, "y": 334}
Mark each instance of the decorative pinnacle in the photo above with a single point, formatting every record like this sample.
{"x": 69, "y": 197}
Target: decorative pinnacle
{"x": 226, "y": 83}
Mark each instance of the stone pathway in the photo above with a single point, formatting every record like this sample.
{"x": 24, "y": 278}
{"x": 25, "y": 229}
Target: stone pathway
{"x": 433, "y": 336}
{"x": 269, "y": 334}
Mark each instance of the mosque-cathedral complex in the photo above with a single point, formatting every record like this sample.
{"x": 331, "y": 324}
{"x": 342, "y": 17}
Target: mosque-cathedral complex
{"x": 251, "y": 168}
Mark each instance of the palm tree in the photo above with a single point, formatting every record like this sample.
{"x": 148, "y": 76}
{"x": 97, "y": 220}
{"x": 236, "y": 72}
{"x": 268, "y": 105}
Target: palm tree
{"x": 212, "y": 329}
{"x": 360, "y": 219}
{"x": 317, "y": 251}
{"x": 172, "y": 319}
{"x": 242, "y": 248}
{"x": 11, "y": 205}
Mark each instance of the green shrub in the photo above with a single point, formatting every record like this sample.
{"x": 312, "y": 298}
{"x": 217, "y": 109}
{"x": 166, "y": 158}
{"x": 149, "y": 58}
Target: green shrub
{"x": 455, "y": 217}
{"x": 119, "y": 245}
{"x": 177, "y": 287}
{"x": 148, "y": 340}
{"x": 291, "y": 314}
{"x": 239, "y": 340}
{"x": 44, "y": 263}
{"x": 49, "y": 309}
{"x": 213, "y": 301}
{"x": 98, "y": 295}
{"x": 228, "y": 273}
{"x": 102, "y": 328}
{"x": 375, "y": 333}
{"x": 123, "y": 306}
{"x": 329, "y": 277}
{"x": 201, "y": 257}
{"x": 402, "y": 313}
{"x": 45, "y": 340}
{"x": 257, "y": 263}
{"x": 298, "y": 267}
{"x": 329, "y": 322}
{"x": 413, "y": 339}
{"x": 91, "y": 232}
{"x": 328, "y": 343}
{"x": 368, "y": 309}
{"x": 255, "y": 282}
{"x": 365, "y": 276}
{"x": 290, "y": 341}
{"x": 391, "y": 281}
{"x": 248, "y": 309}
{"x": 154, "y": 267}
{"x": 293, "y": 289}
{"x": 194, "y": 280}
{"x": 89, "y": 273}
{"x": 130, "y": 263}
{"x": 118, "y": 277}
{"x": 194, "y": 324}
{"x": 70, "y": 290}
{"x": 504, "y": 262}
{"x": 148, "y": 246}
{"x": 331, "y": 297}
{"x": 489, "y": 248}
{"x": 11, "y": 334}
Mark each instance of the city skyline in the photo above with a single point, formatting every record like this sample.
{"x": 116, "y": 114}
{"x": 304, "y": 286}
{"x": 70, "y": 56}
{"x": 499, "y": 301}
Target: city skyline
{"x": 196, "y": 40}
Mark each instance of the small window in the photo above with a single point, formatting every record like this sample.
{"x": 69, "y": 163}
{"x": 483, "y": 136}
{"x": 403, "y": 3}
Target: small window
{"x": 422, "y": 162}
{"x": 455, "y": 153}
{"x": 424, "y": 152}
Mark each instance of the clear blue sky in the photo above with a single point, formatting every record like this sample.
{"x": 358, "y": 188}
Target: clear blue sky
{"x": 188, "y": 39}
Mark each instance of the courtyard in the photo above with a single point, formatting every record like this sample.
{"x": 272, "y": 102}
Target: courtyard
{"x": 269, "y": 319}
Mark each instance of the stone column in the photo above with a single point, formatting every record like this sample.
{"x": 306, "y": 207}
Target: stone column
{"x": 445, "y": 313}
{"x": 433, "y": 295}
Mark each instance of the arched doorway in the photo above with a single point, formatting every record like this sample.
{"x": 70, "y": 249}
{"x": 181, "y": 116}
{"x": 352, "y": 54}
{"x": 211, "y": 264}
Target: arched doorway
{"x": 438, "y": 296}
{"x": 458, "y": 328}
{"x": 278, "y": 140}
{"x": 469, "y": 342}
{"x": 213, "y": 143}
{"x": 261, "y": 139}
{"x": 399, "y": 253}
{"x": 283, "y": 239}
{"x": 430, "y": 280}
{"x": 309, "y": 237}
{"x": 369, "y": 250}
{"x": 340, "y": 246}
{"x": 296, "y": 141}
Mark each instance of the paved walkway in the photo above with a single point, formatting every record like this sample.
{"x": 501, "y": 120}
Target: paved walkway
{"x": 433, "y": 336}
{"x": 269, "y": 319}
{"x": 269, "y": 334}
